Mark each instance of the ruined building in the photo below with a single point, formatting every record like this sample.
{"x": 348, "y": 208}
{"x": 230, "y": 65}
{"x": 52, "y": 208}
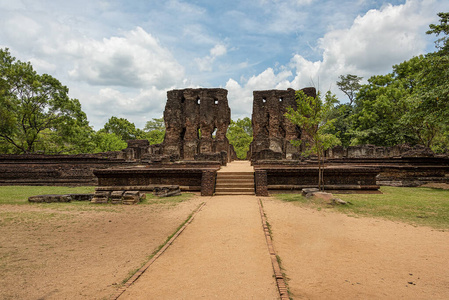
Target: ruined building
{"x": 272, "y": 131}
{"x": 196, "y": 122}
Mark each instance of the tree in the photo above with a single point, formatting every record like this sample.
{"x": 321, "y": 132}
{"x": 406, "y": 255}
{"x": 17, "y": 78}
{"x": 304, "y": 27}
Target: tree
{"x": 240, "y": 135}
{"x": 107, "y": 142}
{"x": 341, "y": 127}
{"x": 409, "y": 105}
{"x": 349, "y": 84}
{"x": 122, "y": 128}
{"x": 312, "y": 115}
{"x": 443, "y": 28}
{"x": 36, "y": 113}
{"x": 155, "y": 131}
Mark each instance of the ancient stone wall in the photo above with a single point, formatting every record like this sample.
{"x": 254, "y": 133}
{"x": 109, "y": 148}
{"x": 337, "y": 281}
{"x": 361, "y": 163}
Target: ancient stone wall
{"x": 192, "y": 118}
{"x": 372, "y": 151}
{"x": 65, "y": 170}
{"x": 272, "y": 131}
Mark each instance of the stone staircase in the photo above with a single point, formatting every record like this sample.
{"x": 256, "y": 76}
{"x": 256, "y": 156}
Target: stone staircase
{"x": 235, "y": 183}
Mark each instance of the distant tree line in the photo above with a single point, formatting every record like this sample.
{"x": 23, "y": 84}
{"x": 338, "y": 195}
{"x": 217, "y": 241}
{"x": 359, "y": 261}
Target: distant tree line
{"x": 409, "y": 105}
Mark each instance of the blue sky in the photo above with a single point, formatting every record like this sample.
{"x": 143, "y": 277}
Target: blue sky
{"x": 119, "y": 58}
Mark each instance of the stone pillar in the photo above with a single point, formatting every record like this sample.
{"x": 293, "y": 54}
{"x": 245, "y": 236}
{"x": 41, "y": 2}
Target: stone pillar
{"x": 208, "y": 182}
{"x": 260, "y": 177}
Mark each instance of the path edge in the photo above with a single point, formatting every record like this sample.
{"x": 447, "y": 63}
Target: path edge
{"x": 280, "y": 280}
{"x": 167, "y": 244}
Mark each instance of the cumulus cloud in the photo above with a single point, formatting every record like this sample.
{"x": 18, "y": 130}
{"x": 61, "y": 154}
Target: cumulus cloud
{"x": 378, "y": 39}
{"x": 138, "y": 107}
{"x": 241, "y": 96}
{"x": 134, "y": 60}
{"x": 206, "y": 63}
{"x": 372, "y": 44}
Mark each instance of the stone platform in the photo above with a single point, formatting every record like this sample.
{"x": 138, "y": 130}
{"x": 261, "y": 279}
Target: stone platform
{"x": 338, "y": 179}
{"x": 147, "y": 178}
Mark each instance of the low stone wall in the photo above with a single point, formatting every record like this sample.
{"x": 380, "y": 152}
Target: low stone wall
{"x": 146, "y": 178}
{"x": 372, "y": 151}
{"x": 65, "y": 170}
{"x": 393, "y": 171}
{"x": 297, "y": 178}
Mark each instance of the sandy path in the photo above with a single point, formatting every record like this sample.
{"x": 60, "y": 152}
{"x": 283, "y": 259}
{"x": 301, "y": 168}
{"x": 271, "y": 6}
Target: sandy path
{"x": 221, "y": 255}
{"x": 329, "y": 255}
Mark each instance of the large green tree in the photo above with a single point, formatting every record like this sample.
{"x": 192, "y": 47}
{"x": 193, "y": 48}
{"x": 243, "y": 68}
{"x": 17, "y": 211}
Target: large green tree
{"x": 104, "y": 142}
{"x": 122, "y": 128}
{"x": 36, "y": 113}
{"x": 240, "y": 135}
{"x": 409, "y": 105}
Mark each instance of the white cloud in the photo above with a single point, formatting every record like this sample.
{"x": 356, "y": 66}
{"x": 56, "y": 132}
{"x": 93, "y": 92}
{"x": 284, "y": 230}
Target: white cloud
{"x": 12, "y": 5}
{"x": 136, "y": 107}
{"x": 241, "y": 96}
{"x": 134, "y": 60}
{"x": 218, "y": 50}
{"x": 378, "y": 39}
{"x": 372, "y": 45}
{"x": 206, "y": 63}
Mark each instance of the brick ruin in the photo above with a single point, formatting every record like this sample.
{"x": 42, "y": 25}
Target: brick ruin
{"x": 195, "y": 146}
{"x": 196, "y": 121}
{"x": 272, "y": 131}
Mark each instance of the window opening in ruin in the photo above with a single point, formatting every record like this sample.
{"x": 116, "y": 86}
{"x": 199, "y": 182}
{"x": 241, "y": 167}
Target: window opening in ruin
{"x": 183, "y": 133}
{"x": 198, "y": 101}
{"x": 183, "y": 99}
{"x": 216, "y": 101}
{"x": 214, "y": 133}
{"x": 264, "y": 100}
{"x": 281, "y": 99}
{"x": 199, "y": 133}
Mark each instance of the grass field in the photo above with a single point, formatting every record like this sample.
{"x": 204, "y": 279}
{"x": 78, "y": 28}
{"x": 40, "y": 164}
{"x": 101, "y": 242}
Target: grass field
{"x": 19, "y": 195}
{"x": 416, "y": 206}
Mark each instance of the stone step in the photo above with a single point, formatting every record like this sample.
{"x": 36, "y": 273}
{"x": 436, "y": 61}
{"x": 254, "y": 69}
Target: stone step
{"x": 231, "y": 181}
{"x": 235, "y": 184}
{"x": 225, "y": 190}
{"x": 235, "y": 177}
{"x": 235, "y": 174}
{"x": 231, "y": 174}
{"x": 233, "y": 193}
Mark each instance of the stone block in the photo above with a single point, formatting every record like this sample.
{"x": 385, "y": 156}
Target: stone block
{"x": 50, "y": 198}
{"x": 167, "y": 191}
{"x": 81, "y": 197}
{"x": 100, "y": 197}
{"x": 131, "y": 197}
{"x": 116, "y": 197}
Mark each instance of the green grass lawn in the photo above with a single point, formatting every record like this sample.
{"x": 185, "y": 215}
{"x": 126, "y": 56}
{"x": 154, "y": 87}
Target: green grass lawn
{"x": 19, "y": 195}
{"x": 416, "y": 206}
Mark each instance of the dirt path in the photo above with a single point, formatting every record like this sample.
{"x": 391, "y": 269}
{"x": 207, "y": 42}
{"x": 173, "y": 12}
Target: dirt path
{"x": 328, "y": 255}
{"x": 221, "y": 255}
